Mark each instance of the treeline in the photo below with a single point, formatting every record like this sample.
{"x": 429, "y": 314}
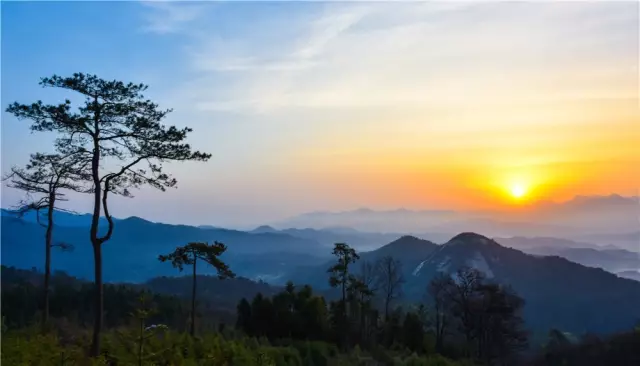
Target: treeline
{"x": 72, "y": 300}
{"x": 464, "y": 317}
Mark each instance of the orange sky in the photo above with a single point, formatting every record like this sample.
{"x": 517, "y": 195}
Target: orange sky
{"x": 339, "y": 105}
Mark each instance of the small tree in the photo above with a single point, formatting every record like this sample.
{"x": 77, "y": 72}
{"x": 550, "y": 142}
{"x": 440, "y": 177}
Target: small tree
{"x": 189, "y": 255}
{"x": 111, "y": 133}
{"x": 43, "y": 179}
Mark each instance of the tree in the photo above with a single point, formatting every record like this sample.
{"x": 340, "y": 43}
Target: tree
{"x": 440, "y": 289}
{"x": 243, "y": 318}
{"x": 498, "y": 326}
{"x": 340, "y": 278}
{"x": 489, "y": 316}
{"x": 340, "y": 271}
{"x": 189, "y": 255}
{"x": 413, "y": 331}
{"x": 390, "y": 281}
{"x": 115, "y": 125}
{"x": 365, "y": 288}
{"x": 464, "y": 293}
{"x": 45, "y": 176}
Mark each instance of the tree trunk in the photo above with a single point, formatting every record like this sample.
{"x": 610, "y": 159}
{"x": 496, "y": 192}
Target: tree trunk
{"x": 47, "y": 262}
{"x": 193, "y": 299}
{"x": 96, "y": 243}
{"x": 386, "y": 306}
{"x": 140, "y": 342}
{"x": 98, "y": 301}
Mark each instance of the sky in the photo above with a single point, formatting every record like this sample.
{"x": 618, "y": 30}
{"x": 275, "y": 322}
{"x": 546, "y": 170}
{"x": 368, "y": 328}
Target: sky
{"x": 309, "y": 106}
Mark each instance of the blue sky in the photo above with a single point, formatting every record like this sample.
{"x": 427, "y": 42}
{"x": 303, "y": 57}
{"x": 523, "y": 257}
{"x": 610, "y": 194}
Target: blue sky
{"x": 311, "y": 106}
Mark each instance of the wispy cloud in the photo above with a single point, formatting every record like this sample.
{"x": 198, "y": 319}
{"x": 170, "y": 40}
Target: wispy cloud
{"x": 411, "y": 55}
{"x": 164, "y": 17}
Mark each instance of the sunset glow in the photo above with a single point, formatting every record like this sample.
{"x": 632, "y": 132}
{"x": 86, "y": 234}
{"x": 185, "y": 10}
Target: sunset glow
{"x": 518, "y": 191}
{"x": 367, "y": 104}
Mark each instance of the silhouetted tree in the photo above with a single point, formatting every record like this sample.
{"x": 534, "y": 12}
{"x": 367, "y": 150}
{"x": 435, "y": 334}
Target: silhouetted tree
{"x": 189, "y": 255}
{"x": 340, "y": 271}
{"x": 243, "y": 319}
{"x": 360, "y": 295}
{"x": 117, "y": 124}
{"x": 439, "y": 291}
{"x": 498, "y": 326}
{"x": 43, "y": 179}
{"x": 462, "y": 294}
{"x": 413, "y": 332}
{"x": 340, "y": 278}
{"x": 489, "y": 316}
{"x": 390, "y": 280}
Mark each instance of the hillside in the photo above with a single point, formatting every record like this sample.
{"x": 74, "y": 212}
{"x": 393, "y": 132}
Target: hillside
{"x": 558, "y": 293}
{"x": 131, "y": 254}
{"x": 408, "y": 249}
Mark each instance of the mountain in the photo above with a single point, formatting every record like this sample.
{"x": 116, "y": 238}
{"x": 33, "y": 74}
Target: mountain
{"x": 607, "y": 257}
{"x": 630, "y": 274}
{"x": 627, "y": 240}
{"x": 578, "y": 216}
{"x": 408, "y": 250}
{"x": 264, "y": 229}
{"x": 131, "y": 254}
{"x": 405, "y": 249}
{"x": 362, "y": 241}
{"x": 531, "y": 243}
{"x": 61, "y": 218}
{"x": 558, "y": 293}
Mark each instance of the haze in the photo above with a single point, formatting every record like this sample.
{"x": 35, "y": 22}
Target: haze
{"x": 336, "y": 106}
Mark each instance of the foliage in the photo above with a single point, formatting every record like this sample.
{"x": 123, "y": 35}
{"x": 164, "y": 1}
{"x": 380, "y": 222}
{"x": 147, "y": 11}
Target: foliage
{"x": 46, "y": 176}
{"x": 189, "y": 255}
{"x": 116, "y": 124}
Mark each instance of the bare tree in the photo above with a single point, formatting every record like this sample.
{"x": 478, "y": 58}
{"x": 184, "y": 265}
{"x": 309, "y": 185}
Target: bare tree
{"x": 367, "y": 275}
{"x": 489, "y": 316}
{"x": 114, "y": 126}
{"x": 440, "y": 289}
{"x": 465, "y": 293}
{"x": 189, "y": 255}
{"x": 389, "y": 281}
{"x": 43, "y": 179}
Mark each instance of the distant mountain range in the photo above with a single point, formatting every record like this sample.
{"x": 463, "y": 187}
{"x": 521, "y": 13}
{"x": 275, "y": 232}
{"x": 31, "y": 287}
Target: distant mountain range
{"x": 582, "y": 215}
{"x": 607, "y": 257}
{"x": 559, "y": 292}
{"x": 131, "y": 254}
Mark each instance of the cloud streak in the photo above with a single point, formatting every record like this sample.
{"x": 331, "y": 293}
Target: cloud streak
{"x": 414, "y": 54}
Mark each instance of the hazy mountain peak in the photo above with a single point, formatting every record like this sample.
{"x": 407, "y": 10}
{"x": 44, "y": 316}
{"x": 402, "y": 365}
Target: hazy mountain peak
{"x": 408, "y": 240}
{"x": 264, "y": 229}
{"x": 136, "y": 220}
{"x": 406, "y": 247}
{"x": 469, "y": 237}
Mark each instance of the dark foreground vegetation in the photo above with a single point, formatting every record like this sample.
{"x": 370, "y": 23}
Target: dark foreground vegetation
{"x": 292, "y": 326}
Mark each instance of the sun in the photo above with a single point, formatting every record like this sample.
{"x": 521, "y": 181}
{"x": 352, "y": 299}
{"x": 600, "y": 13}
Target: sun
{"x": 518, "y": 191}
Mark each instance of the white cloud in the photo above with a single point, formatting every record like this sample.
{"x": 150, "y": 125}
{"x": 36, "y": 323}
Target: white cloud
{"x": 411, "y": 55}
{"x": 164, "y": 17}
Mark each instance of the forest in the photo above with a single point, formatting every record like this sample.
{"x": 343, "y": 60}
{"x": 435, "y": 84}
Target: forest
{"x": 114, "y": 143}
